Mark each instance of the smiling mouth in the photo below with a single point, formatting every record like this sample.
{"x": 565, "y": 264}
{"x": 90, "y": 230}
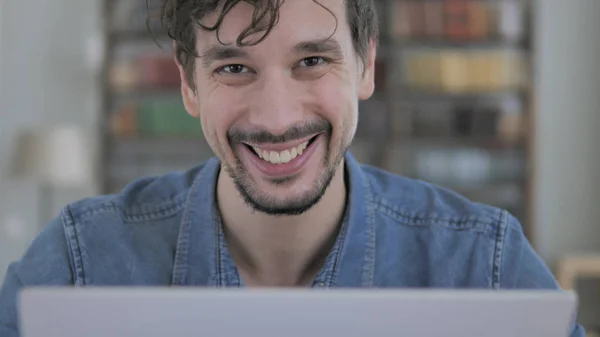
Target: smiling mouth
{"x": 282, "y": 157}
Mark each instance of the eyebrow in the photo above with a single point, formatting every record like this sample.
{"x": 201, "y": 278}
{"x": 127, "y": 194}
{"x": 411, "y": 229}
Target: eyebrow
{"x": 326, "y": 46}
{"x": 221, "y": 52}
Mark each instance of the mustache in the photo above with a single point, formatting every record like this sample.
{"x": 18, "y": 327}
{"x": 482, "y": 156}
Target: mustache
{"x": 293, "y": 133}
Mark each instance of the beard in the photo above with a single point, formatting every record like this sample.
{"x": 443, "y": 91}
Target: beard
{"x": 262, "y": 202}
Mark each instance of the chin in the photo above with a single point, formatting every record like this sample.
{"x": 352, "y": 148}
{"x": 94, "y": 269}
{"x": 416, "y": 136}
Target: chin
{"x": 290, "y": 207}
{"x": 288, "y": 195}
{"x": 292, "y": 195}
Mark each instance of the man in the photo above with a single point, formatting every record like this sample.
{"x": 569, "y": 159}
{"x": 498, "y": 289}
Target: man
{"x": 276, "y": 87}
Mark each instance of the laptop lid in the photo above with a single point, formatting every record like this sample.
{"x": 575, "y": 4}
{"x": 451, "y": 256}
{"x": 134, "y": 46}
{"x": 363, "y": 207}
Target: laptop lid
{"x": 149, "y": 312}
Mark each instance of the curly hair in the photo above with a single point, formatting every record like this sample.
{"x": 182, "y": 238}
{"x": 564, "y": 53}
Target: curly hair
{"x": 181, "y": 18}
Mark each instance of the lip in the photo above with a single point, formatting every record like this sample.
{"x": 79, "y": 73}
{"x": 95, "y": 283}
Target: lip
{"x": 282, "y": 146}
{"x": 291, "y": 168}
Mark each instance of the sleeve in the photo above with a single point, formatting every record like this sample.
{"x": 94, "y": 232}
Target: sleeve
{"x": 45, "y": 263}
{"x": 8, "y": 320}
{"x": 7, "y": 332}
{"x": 522, "y": 268}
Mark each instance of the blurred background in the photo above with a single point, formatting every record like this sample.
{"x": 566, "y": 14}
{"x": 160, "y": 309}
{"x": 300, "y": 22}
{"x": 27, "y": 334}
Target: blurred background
{"x": 496, "y": 99}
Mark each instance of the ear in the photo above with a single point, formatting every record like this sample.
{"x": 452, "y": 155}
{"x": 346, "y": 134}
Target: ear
{"x": 188, "y": 93}
{"x": 366, "y": 85}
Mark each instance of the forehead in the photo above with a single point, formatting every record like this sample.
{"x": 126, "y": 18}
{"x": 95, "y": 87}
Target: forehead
{"x": 299, "y": 20}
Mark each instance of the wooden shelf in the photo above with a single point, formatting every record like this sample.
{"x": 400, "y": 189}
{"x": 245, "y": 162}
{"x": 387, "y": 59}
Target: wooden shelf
{"x": 466, "y": 44}
{"x": 453, "y": 142}
{"x": 160, "y": 147}
{"x": 478, "y": 96}
{"x": 507, "y": 195}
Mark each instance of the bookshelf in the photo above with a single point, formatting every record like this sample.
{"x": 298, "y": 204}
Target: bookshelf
{"x": 462, "y": 98}
{"x": 452, "y": 103}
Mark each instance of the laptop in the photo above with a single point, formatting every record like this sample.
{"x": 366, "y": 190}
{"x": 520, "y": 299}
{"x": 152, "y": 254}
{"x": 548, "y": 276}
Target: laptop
{"x": 183, "y": 312}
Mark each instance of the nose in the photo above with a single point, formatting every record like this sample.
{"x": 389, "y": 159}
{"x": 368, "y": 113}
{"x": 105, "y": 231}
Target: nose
{"x": 278, "y": 103}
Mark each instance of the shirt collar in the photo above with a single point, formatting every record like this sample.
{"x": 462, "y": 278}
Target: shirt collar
{"x": 202, "y": 257}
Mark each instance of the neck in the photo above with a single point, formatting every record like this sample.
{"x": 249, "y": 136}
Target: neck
{"x": 280, "y": 250}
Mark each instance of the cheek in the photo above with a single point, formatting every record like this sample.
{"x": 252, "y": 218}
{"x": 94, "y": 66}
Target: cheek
{"x": 339, "y": 105}
{"x": 210, "y": 98}
{"x": 207, "y": 119}
{"x": 214, "y": 125}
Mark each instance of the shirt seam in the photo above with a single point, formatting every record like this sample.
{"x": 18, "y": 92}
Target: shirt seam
{"x": 162, "y": 212}
{"x": 499, "y": 249}
{"x": 182, "y": 250}
{"x": 74, "y": 248}
{"x": 370, "y": 244}
{"x": 219, "y": 240}
{"x": 330, "y": 279}
{"x": 424, "y": 219}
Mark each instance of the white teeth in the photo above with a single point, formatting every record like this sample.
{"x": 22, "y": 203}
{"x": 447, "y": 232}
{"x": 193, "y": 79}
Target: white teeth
{"x": 274, "y": 157}
{"x": 282, "y": 157}
{"x": 301, "y": 147}
{"x": 285, "y": 156}
{"x": 258, "y": 151}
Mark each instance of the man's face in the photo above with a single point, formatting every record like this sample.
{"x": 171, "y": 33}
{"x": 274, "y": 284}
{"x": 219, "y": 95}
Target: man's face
{"x": 280, "y": 114}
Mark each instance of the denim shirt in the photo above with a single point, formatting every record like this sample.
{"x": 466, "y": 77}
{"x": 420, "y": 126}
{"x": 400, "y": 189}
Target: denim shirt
{"x": 166, "y": 230}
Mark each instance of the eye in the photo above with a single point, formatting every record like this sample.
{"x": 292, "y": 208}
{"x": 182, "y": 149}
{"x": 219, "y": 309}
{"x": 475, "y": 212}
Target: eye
{"x": 312, "y": 61}
{"x": 234, "y": 69}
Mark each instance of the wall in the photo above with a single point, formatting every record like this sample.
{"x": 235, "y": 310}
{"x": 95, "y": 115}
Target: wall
{"x": 568, "y": 170}
{"x": 47, "y": 78}
{"x": 568, "y": 108}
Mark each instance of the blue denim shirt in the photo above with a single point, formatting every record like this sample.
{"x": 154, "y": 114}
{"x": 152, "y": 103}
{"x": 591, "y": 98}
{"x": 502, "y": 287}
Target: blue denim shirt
{"x": 165, "y": 230}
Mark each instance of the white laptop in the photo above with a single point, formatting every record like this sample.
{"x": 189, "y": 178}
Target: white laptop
{"x": 161, "y": 312}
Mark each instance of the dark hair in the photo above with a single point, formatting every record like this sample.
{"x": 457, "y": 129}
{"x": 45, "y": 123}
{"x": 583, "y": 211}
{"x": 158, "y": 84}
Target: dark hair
{"x": 180, "y": 18}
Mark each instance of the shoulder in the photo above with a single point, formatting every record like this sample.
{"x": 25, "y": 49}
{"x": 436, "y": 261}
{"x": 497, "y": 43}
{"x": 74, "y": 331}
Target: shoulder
{"x": 101, "y": 236}
{"x": 147, "y": 198}
{"x": 413, "y": 202}
{"x": 446, "y": 232}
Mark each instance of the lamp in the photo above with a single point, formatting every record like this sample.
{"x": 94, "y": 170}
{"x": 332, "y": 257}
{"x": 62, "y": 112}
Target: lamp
{"x": 54, "y": 157}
